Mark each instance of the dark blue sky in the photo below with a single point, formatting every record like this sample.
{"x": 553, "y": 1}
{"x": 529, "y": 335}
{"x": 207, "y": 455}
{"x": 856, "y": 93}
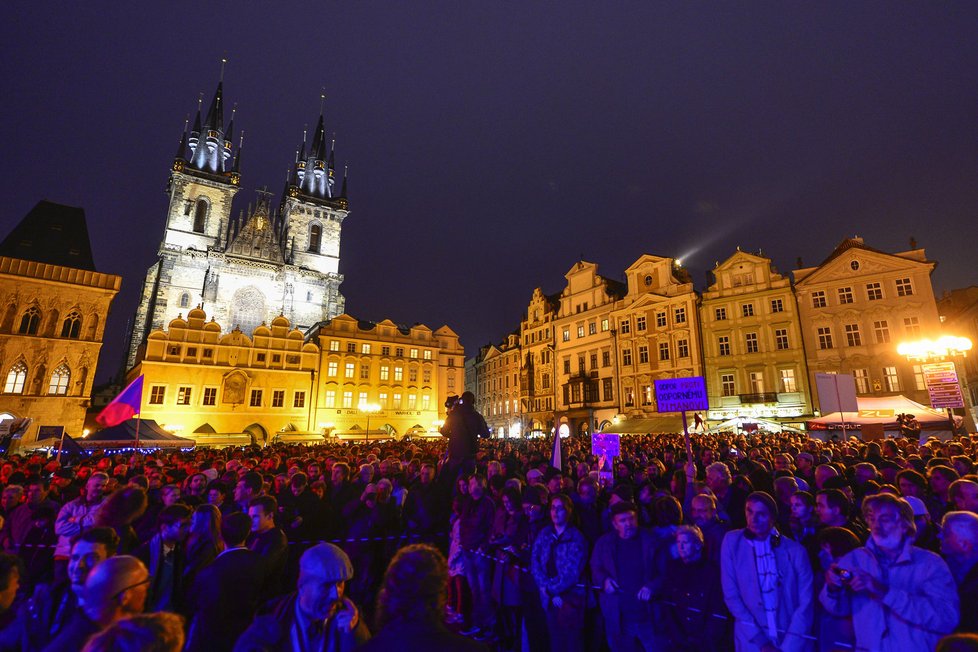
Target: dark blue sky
{"x": 492, "y": 144}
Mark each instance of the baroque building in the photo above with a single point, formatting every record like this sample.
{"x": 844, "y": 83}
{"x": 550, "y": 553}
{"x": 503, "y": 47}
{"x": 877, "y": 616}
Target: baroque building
{"x": 384, "y": 379}
{"x": 857, "y": 306}
{"x": 753, "y": 353}
{"x": 199, "y": 380}
{"x": 248, "y": 268}
{"x": 539, "y": 370}
{"x": 55, "y": 304}
{"x": 497, "y": 386}
{"x": 587, "y": 399}
{"x": 658, "y": 332}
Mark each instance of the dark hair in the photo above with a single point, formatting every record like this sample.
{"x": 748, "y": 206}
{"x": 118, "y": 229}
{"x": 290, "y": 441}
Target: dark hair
{"x": 958, "y": 643}
{"x": 299, "y": 480}
{"x": 666, "y": 510}
{"x": 173, "y": 513}
{"x": 253, "y": 481}
{"x": 235, "y": 528}
{"x": 103, "y": 535}
{"x": 122, "y": 508}
{"x": 268, "y": 504}
{"x": 837, "y": 500}
{"x": 8, "y": 563}
{"x": 805, "y": 497}
{"x": 623, "y": 508}
{"x": 414, "y": 586}
{"x": 159, "y": 632}
{"x": 840, "y": 540}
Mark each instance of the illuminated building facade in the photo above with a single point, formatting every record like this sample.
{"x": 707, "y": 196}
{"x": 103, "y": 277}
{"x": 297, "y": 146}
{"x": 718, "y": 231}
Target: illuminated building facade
{"x": 657, "y": 329}
{"x": 54, "y": 308}
{"x": 200, "y": 380}
{"x": 587, "y": 398}
{"x": 497, "y": 376}
{"x": 857, "y": 305}
{"x": 539, "y": 368}
{"x": 397, "y": 377}
{"x": 248, "y": 268}
{"x": 753, "y": 353}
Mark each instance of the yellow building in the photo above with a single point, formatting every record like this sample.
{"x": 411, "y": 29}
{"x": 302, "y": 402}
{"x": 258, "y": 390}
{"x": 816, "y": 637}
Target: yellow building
{"x": 856, "y": 306}
{"x": 753, "y": 353}
{"x": 54, "y": 308}
{"x": 396, "y": 377}
{"x": 497, "y": 383}
{"x": 587, "y": 399}
{"x": 657, "y": 332}
{"x": 539, "y": 362}
{"x": 198, "y": 381}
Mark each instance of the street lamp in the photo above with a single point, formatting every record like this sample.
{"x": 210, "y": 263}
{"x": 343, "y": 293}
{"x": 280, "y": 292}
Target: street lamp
{"x": 369, "y": 408}
{"x": 943, "y": 383}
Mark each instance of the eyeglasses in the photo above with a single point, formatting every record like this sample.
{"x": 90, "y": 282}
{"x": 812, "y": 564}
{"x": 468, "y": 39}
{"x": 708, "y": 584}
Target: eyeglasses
{"x": 133, "y": 586}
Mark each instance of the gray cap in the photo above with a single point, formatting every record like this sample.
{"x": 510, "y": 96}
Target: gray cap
{"x": 326, "y": 561}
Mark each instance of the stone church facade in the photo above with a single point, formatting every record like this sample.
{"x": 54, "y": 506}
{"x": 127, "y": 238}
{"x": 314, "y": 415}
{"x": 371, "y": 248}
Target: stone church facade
{"x": 244, "y": 269}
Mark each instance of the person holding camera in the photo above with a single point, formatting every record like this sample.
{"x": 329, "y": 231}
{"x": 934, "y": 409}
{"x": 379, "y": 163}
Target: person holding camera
{"x": 900, "y": 597}
{"x": 463, "y": 426}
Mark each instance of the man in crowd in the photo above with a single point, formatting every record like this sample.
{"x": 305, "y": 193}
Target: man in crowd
{"x": 900, "y": 597}
{"x": 475, "y": 528}
{"x": 165, "y": 556}
{"x": 623, "y": 566}
{"x": 959, "y": 545}
{"x": 729, "y": 499}
{"x": 317, "y": 616}
{"x": 463, "y": 426}
{"x": 76, "y": 517}
{"x": 226, "y": 593}
{"x": 268, "y": 541}
{"x": 767, "y": 582}
{"x": 703, "y": 514}
{"x": 115, "y": 588}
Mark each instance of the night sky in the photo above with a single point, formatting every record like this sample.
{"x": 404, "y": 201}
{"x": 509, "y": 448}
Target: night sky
{"x": 491, "y": 145}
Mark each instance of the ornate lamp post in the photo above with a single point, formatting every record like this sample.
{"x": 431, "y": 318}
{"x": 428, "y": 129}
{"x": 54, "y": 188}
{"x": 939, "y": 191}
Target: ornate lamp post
{"x": 368, "y": 408}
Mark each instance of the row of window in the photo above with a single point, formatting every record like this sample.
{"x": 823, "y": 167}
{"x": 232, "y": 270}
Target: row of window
{"x": 367, "y": 348}
{"x": 587, "y": 392}
{"x": 207, "y": 353}
{"x": 591, "y": 357}
{"x": 201, "y": 207}
{"x": 208, "y": 397}
{"x": 350, "y": 371}
{"x": 874, "y": 292}
{"x": 661, "y": 321}
{"x": 664, "y": 352}
{"x": 386, "y": 401}
{"x": 497, "y": 383}
{"x": 747, "y": 309}
{"x": 30, "y": 323}
{"x": 854, "y": 337}
{"x": 752, "y": 343}
{"x": 17, "y": 380}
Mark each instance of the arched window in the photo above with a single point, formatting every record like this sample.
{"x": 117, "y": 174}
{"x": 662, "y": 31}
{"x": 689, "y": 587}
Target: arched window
{"x": 30, "y": 322}
{"x": 59, "y": 380}
{"x": 315, "y": 237}
{"x": 200, "y": 216}
{"x": 71, "y": 327}
{"x": 16, "y": 378}
{"x": 185, "y": 300}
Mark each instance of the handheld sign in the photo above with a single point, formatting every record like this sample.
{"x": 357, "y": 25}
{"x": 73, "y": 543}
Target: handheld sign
{"x": 680, "y": 395}
{"x": 606, "y": 443}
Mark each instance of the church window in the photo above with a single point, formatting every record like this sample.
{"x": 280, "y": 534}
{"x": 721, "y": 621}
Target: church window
{"x": 185, "y": 300}
{"x": 248, "y": 309}
{"x": 315, "y": 238}
{"x": 30, "y": 322}
{"x": 16, "y": 378}
{"x": 59, "y": 381}
{"x": 200, "y": 215}
{"x": 71, "y": 326}
{"x": 308, "y": 296}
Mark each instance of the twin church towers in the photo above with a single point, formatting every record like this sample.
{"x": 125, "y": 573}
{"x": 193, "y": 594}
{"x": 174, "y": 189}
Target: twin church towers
{"x": 248, "y": 268}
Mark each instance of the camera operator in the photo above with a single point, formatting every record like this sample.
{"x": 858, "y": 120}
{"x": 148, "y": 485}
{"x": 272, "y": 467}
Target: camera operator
{"x": 463, "y": 426}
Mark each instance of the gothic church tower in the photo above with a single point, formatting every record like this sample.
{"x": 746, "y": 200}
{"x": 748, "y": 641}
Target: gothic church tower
{"x": 243, "y": 270}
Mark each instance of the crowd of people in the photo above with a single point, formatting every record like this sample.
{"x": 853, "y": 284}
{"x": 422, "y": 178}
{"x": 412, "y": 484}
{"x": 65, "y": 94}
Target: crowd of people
{"x": 756, "y": 542}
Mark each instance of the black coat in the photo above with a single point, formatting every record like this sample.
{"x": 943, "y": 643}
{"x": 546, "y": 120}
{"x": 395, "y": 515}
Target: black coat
{"x": 419, "y": 636}
{"x": 463, "y": 427}
{"x": 224, "y": 599}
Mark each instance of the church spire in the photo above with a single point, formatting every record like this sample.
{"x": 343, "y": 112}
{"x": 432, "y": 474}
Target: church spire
{"x": 313, "y": 170}
{"x": 180, "y": 160}
{"x": 210, "y": 142}
{"x": 195, "y": 134}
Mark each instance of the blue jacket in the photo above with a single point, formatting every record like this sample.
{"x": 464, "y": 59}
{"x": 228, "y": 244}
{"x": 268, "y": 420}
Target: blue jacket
{"x": 920, "y": 606}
